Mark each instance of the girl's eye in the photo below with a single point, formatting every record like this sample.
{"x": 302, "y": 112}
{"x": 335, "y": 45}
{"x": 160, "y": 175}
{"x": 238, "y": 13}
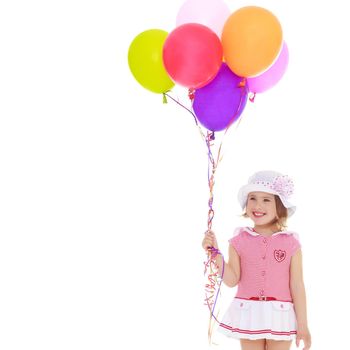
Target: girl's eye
{"x": 266, "y": 200}
{"x": 251, "y": 198}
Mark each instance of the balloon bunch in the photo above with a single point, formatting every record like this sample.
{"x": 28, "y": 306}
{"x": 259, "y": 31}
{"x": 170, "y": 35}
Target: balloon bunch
{"x": 213, "y": 53}
{"x": 220, "y": 57}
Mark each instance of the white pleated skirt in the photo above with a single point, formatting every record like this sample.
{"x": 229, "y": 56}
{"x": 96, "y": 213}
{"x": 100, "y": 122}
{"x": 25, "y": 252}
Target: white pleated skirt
{"x": 253, "y": 319}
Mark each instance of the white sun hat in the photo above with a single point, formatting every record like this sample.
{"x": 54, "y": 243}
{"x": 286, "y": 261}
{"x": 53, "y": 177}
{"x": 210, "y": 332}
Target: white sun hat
{"x": 270, "y": 182}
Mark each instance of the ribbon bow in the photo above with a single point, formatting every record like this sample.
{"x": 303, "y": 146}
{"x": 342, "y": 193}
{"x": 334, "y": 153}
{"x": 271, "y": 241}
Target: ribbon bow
{"x": 283, "y": 185}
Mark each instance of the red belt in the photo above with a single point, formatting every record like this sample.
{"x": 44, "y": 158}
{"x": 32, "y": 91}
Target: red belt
{"x": 262, "y": 298}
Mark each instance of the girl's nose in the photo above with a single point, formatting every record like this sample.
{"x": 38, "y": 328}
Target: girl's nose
{"x": 258, "y": 205}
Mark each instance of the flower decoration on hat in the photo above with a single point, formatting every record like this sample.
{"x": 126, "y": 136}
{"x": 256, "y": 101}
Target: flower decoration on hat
{"x": 284, "y": 185}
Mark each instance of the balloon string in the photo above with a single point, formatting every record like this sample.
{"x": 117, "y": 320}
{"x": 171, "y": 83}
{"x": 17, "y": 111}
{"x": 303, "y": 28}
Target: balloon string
{"x": 211, "y": 177}
{"x": 252, "y": 97}
{"x": 180, "y": 104}
{"x": 214, "y": 280}
{"x": 212, "y": 287}
{"x": 190, "y": 94}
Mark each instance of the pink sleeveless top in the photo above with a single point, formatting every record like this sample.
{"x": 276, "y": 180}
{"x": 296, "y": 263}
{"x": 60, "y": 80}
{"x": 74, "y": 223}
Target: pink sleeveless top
{"x": 265, "y": 263}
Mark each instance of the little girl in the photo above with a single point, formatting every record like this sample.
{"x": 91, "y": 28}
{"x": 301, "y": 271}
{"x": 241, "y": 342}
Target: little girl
{"x": 265, "y": 261}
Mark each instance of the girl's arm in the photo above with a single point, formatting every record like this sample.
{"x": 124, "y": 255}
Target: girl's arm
{"x": 299, "y": 299}
{"x": 232, "y": 269}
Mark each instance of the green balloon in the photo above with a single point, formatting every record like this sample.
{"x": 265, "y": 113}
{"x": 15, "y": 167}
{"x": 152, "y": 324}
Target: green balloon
{"x": 146, "y": 61}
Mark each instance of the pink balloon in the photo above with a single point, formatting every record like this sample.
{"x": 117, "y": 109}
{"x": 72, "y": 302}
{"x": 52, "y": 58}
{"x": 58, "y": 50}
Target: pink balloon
{"x": 192, "y": 55}
{"x": 211, "y": 13}
{"x": 273, "y": 75}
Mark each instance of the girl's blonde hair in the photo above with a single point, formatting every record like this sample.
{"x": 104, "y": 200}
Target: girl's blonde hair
{"x": 282, "y": 214}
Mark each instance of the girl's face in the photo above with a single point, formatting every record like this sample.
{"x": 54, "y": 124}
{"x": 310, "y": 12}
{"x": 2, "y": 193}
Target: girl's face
{"x": 261, "y": 208}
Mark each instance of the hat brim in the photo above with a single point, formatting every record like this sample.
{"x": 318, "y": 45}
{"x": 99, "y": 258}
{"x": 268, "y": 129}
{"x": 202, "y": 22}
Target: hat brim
{"x": 245, "y": 190}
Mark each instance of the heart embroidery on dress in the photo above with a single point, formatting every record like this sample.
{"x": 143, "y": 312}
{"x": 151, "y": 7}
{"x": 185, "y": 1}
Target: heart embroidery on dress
{"x": 280, "y": 255}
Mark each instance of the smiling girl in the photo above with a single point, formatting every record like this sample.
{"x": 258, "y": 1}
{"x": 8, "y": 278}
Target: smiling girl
{"x": 265, "y": 262}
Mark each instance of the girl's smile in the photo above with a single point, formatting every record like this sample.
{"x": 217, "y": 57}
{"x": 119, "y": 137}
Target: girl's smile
{"x": 258, "y": 214}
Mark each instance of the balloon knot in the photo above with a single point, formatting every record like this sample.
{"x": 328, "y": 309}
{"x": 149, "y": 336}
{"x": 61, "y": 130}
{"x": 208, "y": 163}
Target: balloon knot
{"x": 242, "y": 83}
{"x": 191, "y": 94}
{"x": 211, "y": 136}
{"x": 252, "y": 97}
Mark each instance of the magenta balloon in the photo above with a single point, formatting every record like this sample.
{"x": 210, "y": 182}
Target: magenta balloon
{"x": 220, "y": 102}
{"x": 273, "y": 75}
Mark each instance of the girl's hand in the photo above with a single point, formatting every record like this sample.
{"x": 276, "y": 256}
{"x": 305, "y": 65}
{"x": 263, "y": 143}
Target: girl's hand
{"x": 209, "y": 240}
{"x": 304, "y": 335}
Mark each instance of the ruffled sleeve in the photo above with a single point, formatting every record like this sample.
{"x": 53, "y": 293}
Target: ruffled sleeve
{"x": 235, "y": 241}
{"x": 295, "y": 243}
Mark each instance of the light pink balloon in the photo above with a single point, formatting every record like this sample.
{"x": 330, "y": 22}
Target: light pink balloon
{"x": 273, "y": 75}
{"x": 211, "y": 13}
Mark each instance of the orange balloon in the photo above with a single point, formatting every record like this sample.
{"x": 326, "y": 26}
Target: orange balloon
{"x": 252, "y": 40}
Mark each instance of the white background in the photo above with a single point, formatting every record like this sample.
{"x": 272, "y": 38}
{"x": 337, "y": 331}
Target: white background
{"x": 103, "y": 189}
